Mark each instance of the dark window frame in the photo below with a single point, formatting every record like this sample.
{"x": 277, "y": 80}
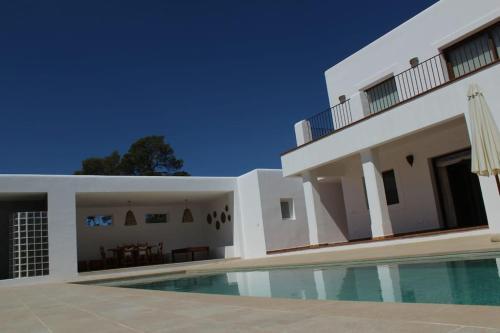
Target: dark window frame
{"x": 391, "y": 198}
{"x": 488, "y": 32}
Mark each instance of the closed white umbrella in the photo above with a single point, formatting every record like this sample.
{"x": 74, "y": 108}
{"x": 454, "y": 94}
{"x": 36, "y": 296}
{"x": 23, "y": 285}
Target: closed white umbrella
{"x": 485, "y": 137}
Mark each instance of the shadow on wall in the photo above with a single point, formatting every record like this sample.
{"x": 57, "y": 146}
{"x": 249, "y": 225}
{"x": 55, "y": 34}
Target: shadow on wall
{"x": 332, "y": 225}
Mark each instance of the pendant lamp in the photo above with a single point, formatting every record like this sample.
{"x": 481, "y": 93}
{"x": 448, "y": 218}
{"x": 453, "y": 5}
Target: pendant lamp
{"x": 130, "y": 217}
{"x": 187, "y": 216}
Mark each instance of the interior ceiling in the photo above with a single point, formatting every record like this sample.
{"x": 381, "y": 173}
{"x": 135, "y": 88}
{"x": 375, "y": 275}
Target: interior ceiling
{"x": 13, "y": 197}
{"x": 143, "y": 198}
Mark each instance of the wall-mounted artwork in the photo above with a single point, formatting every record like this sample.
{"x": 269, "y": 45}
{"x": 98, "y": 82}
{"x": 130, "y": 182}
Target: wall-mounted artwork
{"x": 156, "y": 218}
{"x": 99, "y": 220}
{"x": 223, "y": 217}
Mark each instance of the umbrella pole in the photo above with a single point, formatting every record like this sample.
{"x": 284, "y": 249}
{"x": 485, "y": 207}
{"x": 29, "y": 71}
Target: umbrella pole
{"x": 498, "y": 183}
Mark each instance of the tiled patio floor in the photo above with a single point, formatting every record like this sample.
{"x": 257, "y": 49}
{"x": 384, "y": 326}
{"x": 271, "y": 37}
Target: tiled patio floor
{"x": 59, "y": 307}
{"x": 83, "y": 308}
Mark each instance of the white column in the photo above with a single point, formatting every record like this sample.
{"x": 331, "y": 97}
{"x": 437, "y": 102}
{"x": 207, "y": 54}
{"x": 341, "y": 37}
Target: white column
{"x": 388, "y": 276}
{"x": 379, "y": 213}
{"x": 61, "y": 214}
{"x": 302, "y": 132}
{"x": 312, "y": 199}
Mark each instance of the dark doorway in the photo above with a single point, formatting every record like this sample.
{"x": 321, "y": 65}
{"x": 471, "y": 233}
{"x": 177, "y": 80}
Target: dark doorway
{"x": 467, "y": 196}
{"x": 460, "y": 193}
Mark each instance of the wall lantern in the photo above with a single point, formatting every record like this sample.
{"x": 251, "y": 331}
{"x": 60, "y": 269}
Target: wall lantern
{"x": 187, "y": 216}
{"x": 342, "y": 98}
{"x": 414, "y": 62}
{"x": 130, "y": 217}
{"x": 410, "y": 158}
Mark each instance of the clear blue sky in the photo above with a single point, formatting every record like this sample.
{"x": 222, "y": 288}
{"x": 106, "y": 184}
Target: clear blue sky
{"x": 224, "y": 81}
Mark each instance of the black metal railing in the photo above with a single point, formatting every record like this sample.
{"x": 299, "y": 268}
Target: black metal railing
{"x": 425, "y": 76}
{"x": 330, "y": 120}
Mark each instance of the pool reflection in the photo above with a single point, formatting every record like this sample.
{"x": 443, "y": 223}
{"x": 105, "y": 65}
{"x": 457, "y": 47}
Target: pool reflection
{"x": 453, "y": 282}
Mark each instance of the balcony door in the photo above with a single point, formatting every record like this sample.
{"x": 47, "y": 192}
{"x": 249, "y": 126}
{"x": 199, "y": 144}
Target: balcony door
{"x": 460, "y": 193}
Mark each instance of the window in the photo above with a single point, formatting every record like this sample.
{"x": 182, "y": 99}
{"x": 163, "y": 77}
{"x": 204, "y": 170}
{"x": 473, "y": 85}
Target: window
{"x": 99, "y": 220}
{"x": 287, "y": 209}
{"x": 28, "y": 244}
{"x": 474, "y": 52}
{"x": 383, "y": 95}
{"x": 391, "y": 190}
{"x": 156, "y": 218}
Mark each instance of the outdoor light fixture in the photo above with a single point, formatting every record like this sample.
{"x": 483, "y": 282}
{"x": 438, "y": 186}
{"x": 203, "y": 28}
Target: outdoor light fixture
{"x": 130, "y": 217}
{"x": 414, "y": 62}
{"x": 342, "y": 98}
{"x": 187, "y": 216}
{"x": 410, "y": 158}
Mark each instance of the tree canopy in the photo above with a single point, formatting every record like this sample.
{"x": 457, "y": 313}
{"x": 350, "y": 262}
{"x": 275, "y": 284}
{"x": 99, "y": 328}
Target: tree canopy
{"x": 148, "y": 156}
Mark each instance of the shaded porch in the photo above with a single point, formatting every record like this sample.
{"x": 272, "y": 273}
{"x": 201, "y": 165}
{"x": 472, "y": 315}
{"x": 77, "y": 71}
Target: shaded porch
{"x": 126, "y": 229}
{"x": 418, "y": 184}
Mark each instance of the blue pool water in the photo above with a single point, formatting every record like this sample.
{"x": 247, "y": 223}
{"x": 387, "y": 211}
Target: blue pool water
{"x": 464, "y": 281}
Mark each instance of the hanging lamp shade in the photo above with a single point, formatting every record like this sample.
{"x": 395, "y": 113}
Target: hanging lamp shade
{"x": 130, "y": 217}
{"x": 187, "y": 216}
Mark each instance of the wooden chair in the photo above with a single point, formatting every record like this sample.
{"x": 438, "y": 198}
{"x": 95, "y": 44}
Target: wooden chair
{"x": 128, "y": 256}
{"x": 143, "y": 255}
{"x": 107, "y": 262}
{"x": 158, "y": 257}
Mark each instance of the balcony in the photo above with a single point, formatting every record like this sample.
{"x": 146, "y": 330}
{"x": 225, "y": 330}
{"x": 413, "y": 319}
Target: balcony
{"x": 461, "y": 60}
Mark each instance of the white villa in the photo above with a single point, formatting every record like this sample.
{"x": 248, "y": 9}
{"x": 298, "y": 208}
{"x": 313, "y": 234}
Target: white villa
{"x": 389, "y": 158}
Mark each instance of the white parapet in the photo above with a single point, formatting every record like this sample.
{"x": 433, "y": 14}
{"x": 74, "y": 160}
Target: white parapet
{"x": 302, "y": 132}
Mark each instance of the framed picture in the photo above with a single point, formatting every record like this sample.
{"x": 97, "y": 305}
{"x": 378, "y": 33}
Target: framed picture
{"x": 156, "y": 218}
{"x": 99, "y": 220}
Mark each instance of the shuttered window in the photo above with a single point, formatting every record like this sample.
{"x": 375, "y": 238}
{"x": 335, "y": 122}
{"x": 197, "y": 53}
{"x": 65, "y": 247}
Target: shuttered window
{"x": 383, "y": 95}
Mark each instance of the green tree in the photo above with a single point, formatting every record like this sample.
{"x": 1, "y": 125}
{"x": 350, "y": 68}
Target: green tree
{"x": 148, "y": 156}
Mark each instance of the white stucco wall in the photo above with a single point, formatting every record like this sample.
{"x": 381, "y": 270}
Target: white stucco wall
{"x": 422, "y": 36}
{"x": 279, "y": 233}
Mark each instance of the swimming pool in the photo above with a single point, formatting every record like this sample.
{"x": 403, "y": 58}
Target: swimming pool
{"x": 463, "y": 280}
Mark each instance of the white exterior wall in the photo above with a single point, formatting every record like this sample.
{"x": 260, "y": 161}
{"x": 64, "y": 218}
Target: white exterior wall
{"x": 279, "y": 233}
{"x": 422, "y": 36}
